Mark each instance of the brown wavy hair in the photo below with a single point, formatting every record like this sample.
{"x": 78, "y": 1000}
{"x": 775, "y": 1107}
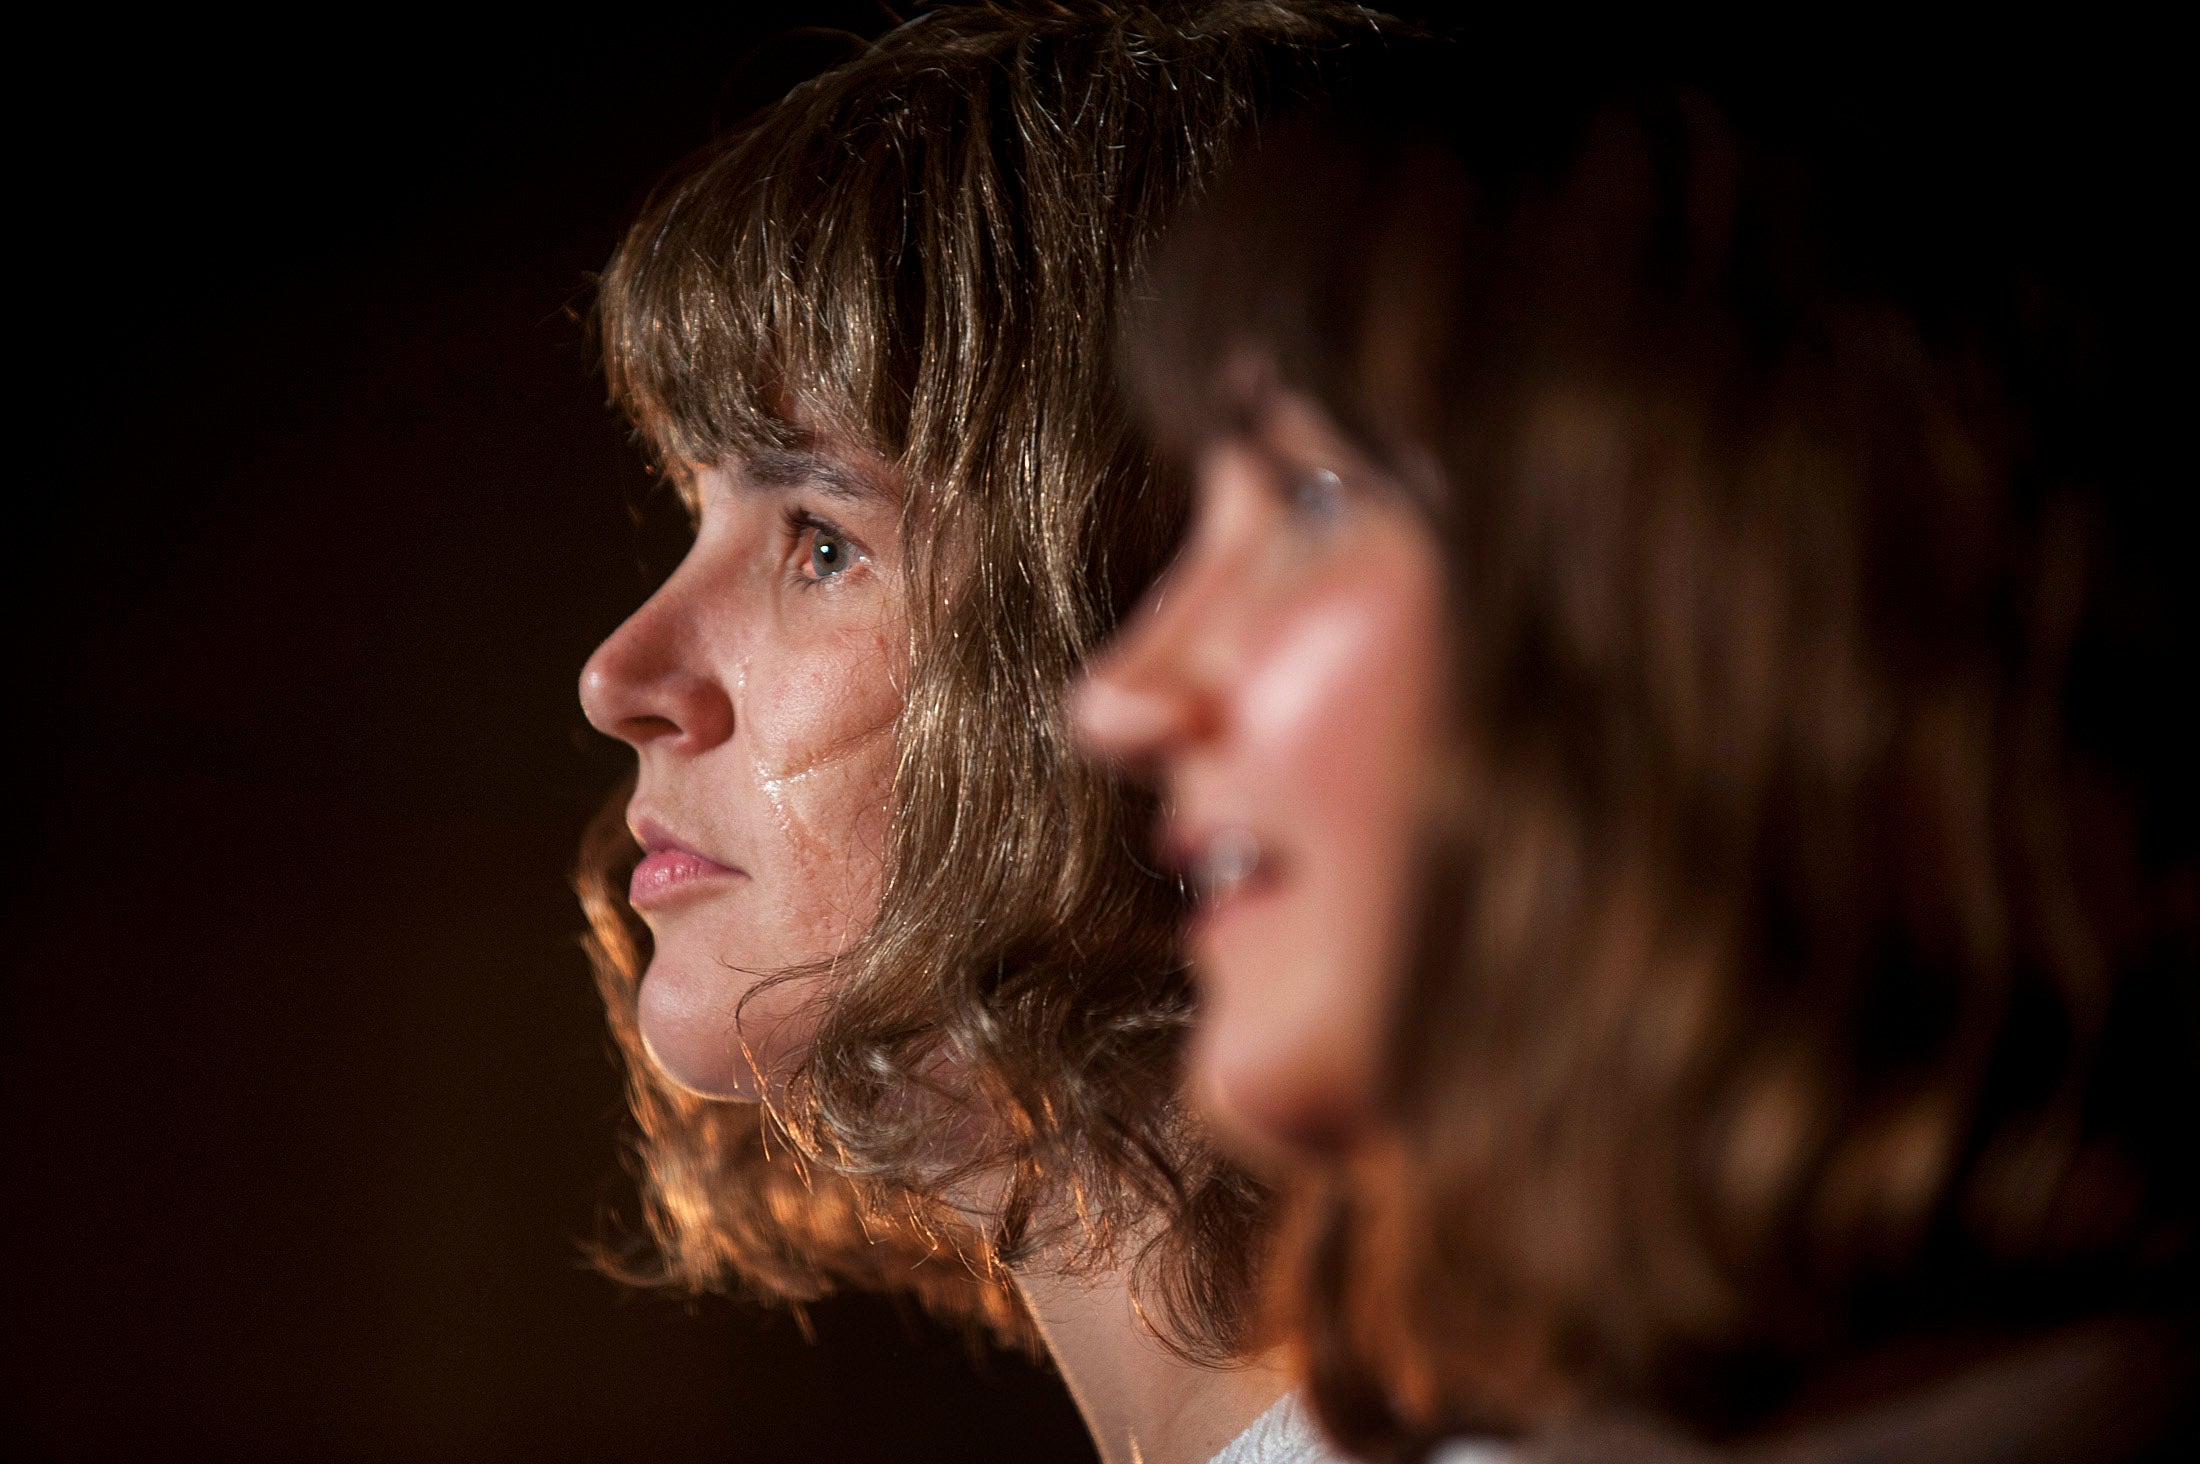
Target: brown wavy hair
{"x": 1811, "y": 962}
{"x": 925, "y": 252}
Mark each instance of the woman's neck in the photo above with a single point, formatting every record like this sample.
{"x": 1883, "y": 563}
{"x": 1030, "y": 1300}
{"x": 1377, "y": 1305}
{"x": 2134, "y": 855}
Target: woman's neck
{"x": 1143, "y": 1403}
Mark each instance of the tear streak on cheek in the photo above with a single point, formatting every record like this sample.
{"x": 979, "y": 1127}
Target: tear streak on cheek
{"x": 827, "y": 778}
{"x": 833, "y": 773}
{"x": 848, "y": 782}
{"x": 831, "y": 813}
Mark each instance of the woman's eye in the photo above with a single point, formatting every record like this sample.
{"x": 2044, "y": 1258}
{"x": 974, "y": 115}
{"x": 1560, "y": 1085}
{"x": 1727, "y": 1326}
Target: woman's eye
{"x": 829, "y": 554}
{"x": 1317, "y": 495}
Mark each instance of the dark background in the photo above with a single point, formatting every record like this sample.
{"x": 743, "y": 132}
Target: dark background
{"x": 308, "y": 1102}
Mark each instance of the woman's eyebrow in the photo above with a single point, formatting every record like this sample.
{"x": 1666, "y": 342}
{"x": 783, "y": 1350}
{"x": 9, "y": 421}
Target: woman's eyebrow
{"x": 792, "y": 467}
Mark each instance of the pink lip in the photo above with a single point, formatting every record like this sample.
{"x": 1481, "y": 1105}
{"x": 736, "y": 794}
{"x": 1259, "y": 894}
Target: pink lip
{"x": 669, "y": 868}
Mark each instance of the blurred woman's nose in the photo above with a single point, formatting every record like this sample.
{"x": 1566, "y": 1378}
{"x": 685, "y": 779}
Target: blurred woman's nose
{"x": 1147, "y": 695}
{"x": 651, "y": 683}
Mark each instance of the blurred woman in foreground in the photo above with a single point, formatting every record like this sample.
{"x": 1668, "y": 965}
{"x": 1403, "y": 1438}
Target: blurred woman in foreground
{"x": 1671, "y": 705}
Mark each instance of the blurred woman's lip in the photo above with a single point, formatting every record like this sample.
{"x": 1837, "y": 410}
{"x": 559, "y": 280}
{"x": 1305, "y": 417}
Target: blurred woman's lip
{"x": 669, "y": 868}
{"x": 1227, "y": 866}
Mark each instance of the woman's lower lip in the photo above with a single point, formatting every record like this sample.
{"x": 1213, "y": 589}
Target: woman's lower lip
{"x": 1212, "y": 915}
{"x": 670, "y": 873}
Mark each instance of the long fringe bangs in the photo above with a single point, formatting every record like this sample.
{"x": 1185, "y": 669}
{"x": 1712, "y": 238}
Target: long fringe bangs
{"x": 762, "y": 286}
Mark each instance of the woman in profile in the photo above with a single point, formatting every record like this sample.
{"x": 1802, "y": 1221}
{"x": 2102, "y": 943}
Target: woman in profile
{"x": 899, "y": 1000}
{"x": 1670, "y": 699}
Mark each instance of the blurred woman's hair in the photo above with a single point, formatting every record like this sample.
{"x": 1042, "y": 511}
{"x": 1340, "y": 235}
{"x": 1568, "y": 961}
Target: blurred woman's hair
{"x": 1810, "y": 960}
{"x": 924, "y": 253}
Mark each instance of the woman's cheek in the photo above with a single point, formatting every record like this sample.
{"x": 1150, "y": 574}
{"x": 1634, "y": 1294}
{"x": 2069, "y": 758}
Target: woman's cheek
{"x": 824, "y": 767}
{"x": 1342, "y": 714}
{"x": 1293, "y": 696}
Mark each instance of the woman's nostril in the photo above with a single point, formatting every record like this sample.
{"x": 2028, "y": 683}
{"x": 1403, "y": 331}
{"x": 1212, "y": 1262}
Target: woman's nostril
{"x": 648, "y": 727}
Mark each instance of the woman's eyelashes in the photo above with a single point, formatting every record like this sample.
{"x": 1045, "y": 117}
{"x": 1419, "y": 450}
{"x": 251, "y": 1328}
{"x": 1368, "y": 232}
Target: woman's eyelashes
{"x": 820, "y": 549}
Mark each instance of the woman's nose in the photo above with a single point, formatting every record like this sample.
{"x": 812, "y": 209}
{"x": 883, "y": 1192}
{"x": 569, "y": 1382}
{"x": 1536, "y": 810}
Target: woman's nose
{"x": 1145, "y": 696}
{"x": 651, "y": 683}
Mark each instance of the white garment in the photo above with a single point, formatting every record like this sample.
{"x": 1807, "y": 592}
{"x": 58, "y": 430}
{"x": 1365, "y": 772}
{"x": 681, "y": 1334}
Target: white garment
{"x": 1471, "y": 1451}
{"x": 1282, "y": 1435}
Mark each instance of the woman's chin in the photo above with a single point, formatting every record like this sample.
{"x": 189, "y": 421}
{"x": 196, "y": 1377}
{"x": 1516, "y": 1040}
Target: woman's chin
{"x": 1269, "y": 1109}
{"x": 692, "y": 1041}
